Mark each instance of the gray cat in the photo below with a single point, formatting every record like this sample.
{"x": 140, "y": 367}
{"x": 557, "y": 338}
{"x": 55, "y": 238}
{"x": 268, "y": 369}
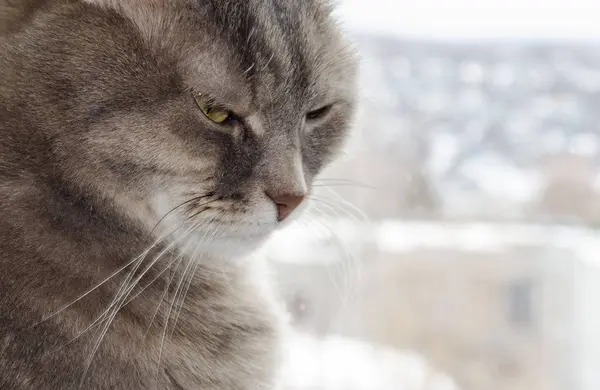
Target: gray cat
{"x": 147, "y": 148}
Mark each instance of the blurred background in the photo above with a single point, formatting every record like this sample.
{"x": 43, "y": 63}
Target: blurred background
{"x": 455, "y": 246}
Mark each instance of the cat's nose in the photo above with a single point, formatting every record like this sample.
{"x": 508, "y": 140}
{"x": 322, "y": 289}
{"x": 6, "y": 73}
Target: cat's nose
{"x": 285, "y": 203}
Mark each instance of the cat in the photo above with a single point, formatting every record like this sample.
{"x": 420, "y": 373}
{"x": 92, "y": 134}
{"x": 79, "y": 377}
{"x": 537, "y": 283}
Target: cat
{"x": 148, "y": 148}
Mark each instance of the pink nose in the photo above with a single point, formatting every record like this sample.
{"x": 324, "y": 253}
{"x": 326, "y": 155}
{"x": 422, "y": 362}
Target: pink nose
{"x": 286, "y": 204}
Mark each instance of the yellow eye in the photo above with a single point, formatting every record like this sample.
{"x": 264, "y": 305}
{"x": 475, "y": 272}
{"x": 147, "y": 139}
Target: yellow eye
{"x": 214, "y": 113}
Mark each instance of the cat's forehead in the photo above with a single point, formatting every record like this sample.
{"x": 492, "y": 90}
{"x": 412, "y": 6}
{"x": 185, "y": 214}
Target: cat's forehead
{"x": 250, "y": 53}
{"x": 269, "y": 51}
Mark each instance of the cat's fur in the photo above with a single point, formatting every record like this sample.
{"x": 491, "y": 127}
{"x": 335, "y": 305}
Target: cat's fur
{"x": 104, "y": 154}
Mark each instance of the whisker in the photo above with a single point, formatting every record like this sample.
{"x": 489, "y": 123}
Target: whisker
{"x": 181, "y": 205}
{"x": 268, "y": 62}
{"x": 249, "y": 69}
{"x": 327, "y": 180}
{"x": 169, "y": 247}
{"x": 63, "y": 308}
{"x": 338, "y": 289}
{"x": 349, "y": 204}
{"x": 363, "y": 219}
{"x": 121, "y": 295}
{"x": 347, "y": 185}
{"x": 152, "y": 281}
{"x": 103, "y": 281}
{"x": 344, "y": 294}
{"x": 101, "y": 317}
{"x": 181, "y": 279}
{"x": 196, "y": 214}
{"x": 178, "y": 307}
{"x": 178, "y": 260}
{"x": 175, "y": 263}
{"x": 167, "y": 317}
{"x": 335, "y": 208}
{"x": 193, "y": 272}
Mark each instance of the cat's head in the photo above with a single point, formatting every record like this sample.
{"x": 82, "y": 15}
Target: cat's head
{"x": 218, "y": 113}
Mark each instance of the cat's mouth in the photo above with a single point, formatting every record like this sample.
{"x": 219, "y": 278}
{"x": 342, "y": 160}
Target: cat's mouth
{"x": 219, "y": 224}
{"x": 239, "y": 234}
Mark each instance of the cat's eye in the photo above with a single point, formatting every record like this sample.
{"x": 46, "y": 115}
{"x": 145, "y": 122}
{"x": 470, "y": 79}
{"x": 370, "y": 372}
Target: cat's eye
{"x": 215, "y": 113}
{"x": 319, "y": 113}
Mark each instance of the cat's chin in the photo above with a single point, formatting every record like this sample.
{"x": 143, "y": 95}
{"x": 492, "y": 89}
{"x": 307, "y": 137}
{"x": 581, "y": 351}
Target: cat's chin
{"x": 230, "y": 250}
{"x": 229, "y": 244}
{"x": 229, "y": 238}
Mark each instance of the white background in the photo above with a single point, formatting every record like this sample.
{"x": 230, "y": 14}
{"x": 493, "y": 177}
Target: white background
{"x": 476, "y": 19}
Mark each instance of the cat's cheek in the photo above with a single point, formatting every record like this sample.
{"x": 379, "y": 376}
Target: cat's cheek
{"x": 323, "y": 146}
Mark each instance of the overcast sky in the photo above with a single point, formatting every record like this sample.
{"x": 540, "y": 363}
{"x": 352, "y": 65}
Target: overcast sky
{"x": 476, "y": 19}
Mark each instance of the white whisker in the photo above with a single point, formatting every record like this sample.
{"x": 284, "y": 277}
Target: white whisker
{"x": 178, "y": 260}
{"x": 104, "y": 281}
{"x": 193, "y": 272}
{"x": 177, "y": 289}
{"x": 349, "y": 204}
{"x": 122, "y": 294}
{"x": 343, "y": 293}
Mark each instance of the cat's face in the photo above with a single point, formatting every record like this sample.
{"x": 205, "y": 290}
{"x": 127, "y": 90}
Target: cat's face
{"x": 218, "y": 113}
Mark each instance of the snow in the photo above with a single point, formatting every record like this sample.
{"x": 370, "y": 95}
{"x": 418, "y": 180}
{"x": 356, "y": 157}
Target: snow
{"x": 339, "y": 363}
{"x": 444, "y": 151}
{"x": 398, "y": 237}
{"x": 501, "y": 178}
{"x": 304, "y": 245}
